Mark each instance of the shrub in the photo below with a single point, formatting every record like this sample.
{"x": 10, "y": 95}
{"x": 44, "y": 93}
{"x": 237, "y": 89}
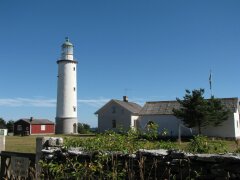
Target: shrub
{"x": 104, "y": 162}
{"x": 201, "y": 144}
{"x": 237, "y": 150}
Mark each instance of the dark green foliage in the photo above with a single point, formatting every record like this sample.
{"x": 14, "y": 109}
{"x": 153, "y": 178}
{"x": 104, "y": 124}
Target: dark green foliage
{"x": 83, "y": 128}
{"x": 6, "y": 125}
{"x": 10, "y": 125}
{"x": 2, "y": 123}
{"x": 216, "y": 112}
{"x": 195, "y": 111}
{"x": 237, "y": 150}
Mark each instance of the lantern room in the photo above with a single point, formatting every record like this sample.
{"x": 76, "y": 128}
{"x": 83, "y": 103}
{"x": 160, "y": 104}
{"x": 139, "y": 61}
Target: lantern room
{"x": 67, "y": 50}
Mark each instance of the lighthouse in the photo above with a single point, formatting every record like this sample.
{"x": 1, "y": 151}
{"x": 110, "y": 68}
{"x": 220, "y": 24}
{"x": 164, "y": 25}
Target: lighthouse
{"x": 66, "y": 113}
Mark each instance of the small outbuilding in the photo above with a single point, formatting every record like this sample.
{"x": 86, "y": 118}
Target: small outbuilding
{"x": 33, "y": 127}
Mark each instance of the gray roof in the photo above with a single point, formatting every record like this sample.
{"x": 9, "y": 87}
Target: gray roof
{"x": 37, "y": 121}
{"x": 166, "y": 107}
{"x": 130, "y": 106}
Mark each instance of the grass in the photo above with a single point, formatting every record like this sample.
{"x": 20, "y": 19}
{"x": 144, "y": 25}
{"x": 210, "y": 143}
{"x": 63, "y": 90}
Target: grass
{"x": 27, "y": 144}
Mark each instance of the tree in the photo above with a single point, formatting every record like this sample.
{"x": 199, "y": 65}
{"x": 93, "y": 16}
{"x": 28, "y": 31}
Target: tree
{"x": 83, "y": 128}
{"x": 10, "y": 125}
{"x": 195, "y": 111}
{"x": 217, "y": 113}
{"x": 2, "y": 123}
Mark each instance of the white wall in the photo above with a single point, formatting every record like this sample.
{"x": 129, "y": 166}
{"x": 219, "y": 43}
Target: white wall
{"x": 66, "y": 95}
{"x": 226, "y": 129}
{"x": 122, "y": 117}
{"x": 133, "y": 118}
{"x": 169, "y": 122}
{"x": 237, "y": 124}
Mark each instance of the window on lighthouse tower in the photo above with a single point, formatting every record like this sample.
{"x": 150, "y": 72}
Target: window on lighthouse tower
{"x": 67, "y": 50}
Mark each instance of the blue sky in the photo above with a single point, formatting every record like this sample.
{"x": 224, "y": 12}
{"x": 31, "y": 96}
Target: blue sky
{"x": 149, "y": 50}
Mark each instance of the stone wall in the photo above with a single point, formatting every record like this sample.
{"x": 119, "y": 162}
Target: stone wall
{"x": 152, "y": 164}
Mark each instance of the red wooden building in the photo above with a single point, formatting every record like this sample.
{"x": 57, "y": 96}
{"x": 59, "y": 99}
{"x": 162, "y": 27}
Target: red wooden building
{"x": 33, "y": 127}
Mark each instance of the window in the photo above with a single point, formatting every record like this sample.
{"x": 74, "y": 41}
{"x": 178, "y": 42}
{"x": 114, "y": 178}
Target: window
{"x": 74, "y": 108}
{"x": 113, "y": 109}
{"x": 74, "y": 89}
{"x": 43, "y": 127}
{"x": 74, "y": 69}
{"x": 135, "y": 123}
{"x": 114, "y": 123}
{"x": 19, "y": 127}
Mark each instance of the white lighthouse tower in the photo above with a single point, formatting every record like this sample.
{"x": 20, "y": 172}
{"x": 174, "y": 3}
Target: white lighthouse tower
{"x": 66, "y": 115}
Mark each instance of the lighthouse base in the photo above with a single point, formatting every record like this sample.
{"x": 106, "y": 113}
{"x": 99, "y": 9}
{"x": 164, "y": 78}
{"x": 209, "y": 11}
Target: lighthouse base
{"x": 66, "y": 125}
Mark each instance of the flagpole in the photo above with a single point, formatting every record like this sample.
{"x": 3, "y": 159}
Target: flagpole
{"x": 210, "y": 82}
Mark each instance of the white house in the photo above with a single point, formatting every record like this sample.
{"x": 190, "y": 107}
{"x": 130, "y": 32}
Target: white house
{"x": 231, "y": 127}
{"x": 118, "y": 114}
{"x": 126, "y": 114}
{"x": 161, "y": 113}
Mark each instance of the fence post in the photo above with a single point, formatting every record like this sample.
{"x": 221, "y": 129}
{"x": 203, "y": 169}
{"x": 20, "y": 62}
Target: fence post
{"x": 3, "y": 160}
{"x": 3, "y": 133}
{"x": 40, "y": 144}
{"x": 45, "y": 143}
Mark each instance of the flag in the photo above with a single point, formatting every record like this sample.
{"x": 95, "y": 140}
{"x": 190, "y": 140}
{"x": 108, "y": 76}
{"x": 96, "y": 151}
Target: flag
{"x": 210, "y": 80}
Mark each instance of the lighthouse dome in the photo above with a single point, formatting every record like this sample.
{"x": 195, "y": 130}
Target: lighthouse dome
{"x": 67, "y": 42}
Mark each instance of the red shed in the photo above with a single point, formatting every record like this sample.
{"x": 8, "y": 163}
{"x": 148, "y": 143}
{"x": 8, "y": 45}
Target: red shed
{"x": 33, "y": 127}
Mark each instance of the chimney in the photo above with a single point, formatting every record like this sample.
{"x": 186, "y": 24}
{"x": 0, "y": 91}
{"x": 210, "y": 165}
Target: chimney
{"x": 31, "y": 119}
{"x": 125, "y": 99}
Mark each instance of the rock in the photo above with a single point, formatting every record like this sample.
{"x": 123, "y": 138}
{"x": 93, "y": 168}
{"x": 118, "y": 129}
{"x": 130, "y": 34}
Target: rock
{"x": 157, "y": 152}
{"x": 53, "y": 142}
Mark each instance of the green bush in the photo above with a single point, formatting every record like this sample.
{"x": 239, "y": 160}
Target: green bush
{"x": 98, "y": 167}
{"x": 201, "y": 144}
{"x": 237, "y": 150}
{"x": 151, "y": 131}
{"x": 112, "y": 141}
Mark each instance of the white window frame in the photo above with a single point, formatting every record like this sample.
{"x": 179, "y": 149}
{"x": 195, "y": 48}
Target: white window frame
{"x": 43, "y": 127}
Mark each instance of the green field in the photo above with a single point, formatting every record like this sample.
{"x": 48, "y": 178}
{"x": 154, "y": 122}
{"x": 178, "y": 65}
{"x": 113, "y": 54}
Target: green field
{"x": 27, "y": 144}
{"x": 20, "y": 143}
